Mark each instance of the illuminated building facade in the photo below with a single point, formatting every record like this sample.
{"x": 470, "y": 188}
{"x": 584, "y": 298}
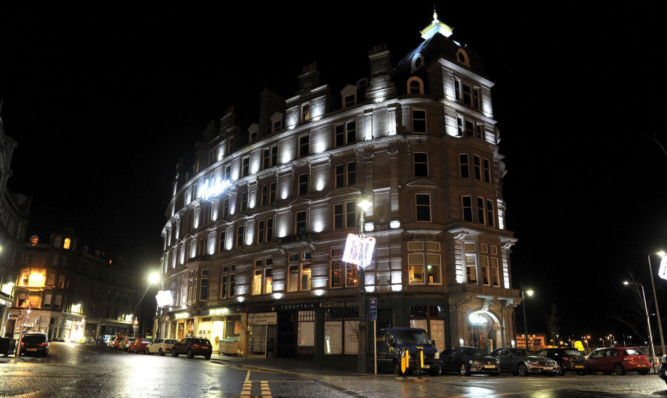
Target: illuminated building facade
{"x": 72, "y": 293}
{"x": 255, "y": 234}
{"x": 13, "y": 221}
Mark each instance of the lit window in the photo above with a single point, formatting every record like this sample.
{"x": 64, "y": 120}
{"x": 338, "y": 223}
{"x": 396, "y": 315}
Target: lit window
{"x": 299, "y": 272}
{"x": 305, "y": 112}
{"x": 470, "y": 262}
{"x": 424, "y": 262}
{"x": 67, "y": 243}
{"x": 342, "y": 274}
{"x": 418, "y": 121}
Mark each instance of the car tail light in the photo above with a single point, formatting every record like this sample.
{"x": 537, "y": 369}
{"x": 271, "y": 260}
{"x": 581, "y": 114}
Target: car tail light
{"x": 567, "y": 359}
{"x": 22, "y": 344}
{"x": 43, "y": 344}
{"x": 196, "y": 346}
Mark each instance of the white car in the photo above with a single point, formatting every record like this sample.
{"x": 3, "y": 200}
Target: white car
{"x": 161, "y": 346}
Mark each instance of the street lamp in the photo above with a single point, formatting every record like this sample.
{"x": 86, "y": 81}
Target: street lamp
{"x": 648, "y": 321}
{"x": 655, "y": 299}
{"x": 530, "y": 293}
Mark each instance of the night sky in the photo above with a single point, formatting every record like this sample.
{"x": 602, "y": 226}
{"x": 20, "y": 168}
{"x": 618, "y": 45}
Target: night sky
{"x": 103, "y": 102}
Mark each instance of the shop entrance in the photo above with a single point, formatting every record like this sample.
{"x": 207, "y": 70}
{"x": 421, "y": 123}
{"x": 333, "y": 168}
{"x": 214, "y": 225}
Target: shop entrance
{"x": 286, "y": 342}
{"x": 481, "y": 330}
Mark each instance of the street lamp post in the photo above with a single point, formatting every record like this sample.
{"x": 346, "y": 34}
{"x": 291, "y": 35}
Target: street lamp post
{"x": 655, "y": 299}
{"x": 364, "y": 205}
{"x": 648, "y": 322}
{"x": 530, "y": 293}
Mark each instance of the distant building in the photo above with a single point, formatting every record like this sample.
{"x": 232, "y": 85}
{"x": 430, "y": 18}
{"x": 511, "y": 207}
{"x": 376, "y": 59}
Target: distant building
{"x": 72, "y": 293}
{"x": 14, "y": 210}
{"x": 255, "y": 234}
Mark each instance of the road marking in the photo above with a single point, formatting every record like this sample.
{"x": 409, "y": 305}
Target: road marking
{"x": 247, "y": 387}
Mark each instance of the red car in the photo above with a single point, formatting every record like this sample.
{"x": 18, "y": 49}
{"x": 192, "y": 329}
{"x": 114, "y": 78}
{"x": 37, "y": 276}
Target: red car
{"x": 139, "y": 345}
{"x": 618, "y": 360}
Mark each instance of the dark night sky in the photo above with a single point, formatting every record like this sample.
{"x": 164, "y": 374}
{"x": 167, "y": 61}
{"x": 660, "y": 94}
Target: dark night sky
{"x": 104, "y": 101}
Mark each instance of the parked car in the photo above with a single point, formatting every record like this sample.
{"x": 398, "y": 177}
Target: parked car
{"x": 662, "y": 372}
{"x": 125, "y": 343}
{"x": 115, "y": 342}
{"x": 618, "y": 360}
{"x": 161, "y": 346}
{"x": 139, "y": 345}
{"x": 35, "y": 344}
{"x": 523, "y": 362}
{"x": 191, "y": 346}
{"x": 468, "y": 360}
{"x": 568, "y": 359}
{"x": 392, "y": 341}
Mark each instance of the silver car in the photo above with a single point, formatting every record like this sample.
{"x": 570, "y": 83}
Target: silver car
{"x": 523, "y": 362}
{"x": 161, "y": 346}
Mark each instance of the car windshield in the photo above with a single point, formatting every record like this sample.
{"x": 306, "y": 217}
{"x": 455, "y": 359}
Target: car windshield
{"x": 411, "y": 337}
{"x": 520, "y": 352}
{"x": 201, "y": 341}
{"x": 633, "y": 351}
{"x": 472, "y": 351}
{"x": 34, "y": 339}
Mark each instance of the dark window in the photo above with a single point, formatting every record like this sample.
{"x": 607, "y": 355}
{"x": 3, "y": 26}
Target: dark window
{"x": 418, "y": 121}
{"x": 300, "y": 222}
{"x": 304, "y": 143}
{"x": 464, "y": 167}
{"x": 467, "y": 208}
{"x": 303, "y": 184}
{"x": 421, "y": 164}
{"x": 423, "y": 207}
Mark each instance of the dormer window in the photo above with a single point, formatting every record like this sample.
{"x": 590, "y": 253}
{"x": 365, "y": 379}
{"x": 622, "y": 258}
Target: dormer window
{"x": 253, "y": 133}
{"x": 415, "y": 85}
{"x": 349, "y": 96}
{"x": 276, "y": 122}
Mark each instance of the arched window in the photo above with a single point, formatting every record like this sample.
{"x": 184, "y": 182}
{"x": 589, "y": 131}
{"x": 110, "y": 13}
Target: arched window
{"x": 415, "y": 85}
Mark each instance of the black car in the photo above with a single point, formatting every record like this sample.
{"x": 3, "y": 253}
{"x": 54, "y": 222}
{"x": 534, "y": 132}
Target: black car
{"x": 468, "y": 360}
{"x": 191, "y": 346}
{"x": 568, "y": 359}
{"x": 523, "y": 362}
{"x": 35, "y": 344}
{"x": 662, "y": 372}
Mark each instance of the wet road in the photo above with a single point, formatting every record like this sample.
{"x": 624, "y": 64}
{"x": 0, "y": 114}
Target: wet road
{"x": 74, "y": 370}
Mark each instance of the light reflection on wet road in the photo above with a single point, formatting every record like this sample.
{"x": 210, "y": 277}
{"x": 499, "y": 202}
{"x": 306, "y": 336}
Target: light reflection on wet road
{"x": 95, "y": 371}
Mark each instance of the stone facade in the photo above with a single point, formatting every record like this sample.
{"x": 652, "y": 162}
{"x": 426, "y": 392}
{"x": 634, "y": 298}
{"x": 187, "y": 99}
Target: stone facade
{"x": 255, "y": 233}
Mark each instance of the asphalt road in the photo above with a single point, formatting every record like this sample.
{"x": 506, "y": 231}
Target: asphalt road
{"x": 88, "y": 370}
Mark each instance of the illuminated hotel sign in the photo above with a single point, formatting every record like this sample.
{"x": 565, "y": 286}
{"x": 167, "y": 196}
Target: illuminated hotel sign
{"x": 211, "y": 188}
{"x": 358, "y": 250}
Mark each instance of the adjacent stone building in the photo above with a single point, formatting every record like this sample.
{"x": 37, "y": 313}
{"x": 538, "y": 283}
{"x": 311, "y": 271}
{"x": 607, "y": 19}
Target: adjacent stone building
{"x": 257, "y": 227}
{"x": 72, "y": 292}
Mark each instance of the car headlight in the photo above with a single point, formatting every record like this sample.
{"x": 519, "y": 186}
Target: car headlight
{"x": 474, "y": 363}
{"x": 533, "y": 363}
{"x": 437, "y": 355}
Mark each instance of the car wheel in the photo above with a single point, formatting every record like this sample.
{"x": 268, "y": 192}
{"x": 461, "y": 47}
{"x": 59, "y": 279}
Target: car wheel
{"x": 174, "y": 353}
{"x": 191, "y": 354}
{"x": 618, "y": 369}
{"x": 523, "y": 370}
{"x": 207, "y": 356}
{"x": 463, "y": 370}
{"x": 159, "y": 351}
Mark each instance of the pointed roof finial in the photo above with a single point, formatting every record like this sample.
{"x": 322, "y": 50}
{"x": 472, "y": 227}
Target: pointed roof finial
{"x": 436, "y": 27}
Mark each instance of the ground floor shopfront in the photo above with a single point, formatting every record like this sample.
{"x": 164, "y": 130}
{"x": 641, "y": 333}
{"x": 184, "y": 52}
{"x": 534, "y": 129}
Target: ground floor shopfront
{"x": 329, "y": 330}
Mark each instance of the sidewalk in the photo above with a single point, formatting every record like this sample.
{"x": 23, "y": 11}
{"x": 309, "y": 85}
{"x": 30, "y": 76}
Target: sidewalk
{"x": 293, "y": 366}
